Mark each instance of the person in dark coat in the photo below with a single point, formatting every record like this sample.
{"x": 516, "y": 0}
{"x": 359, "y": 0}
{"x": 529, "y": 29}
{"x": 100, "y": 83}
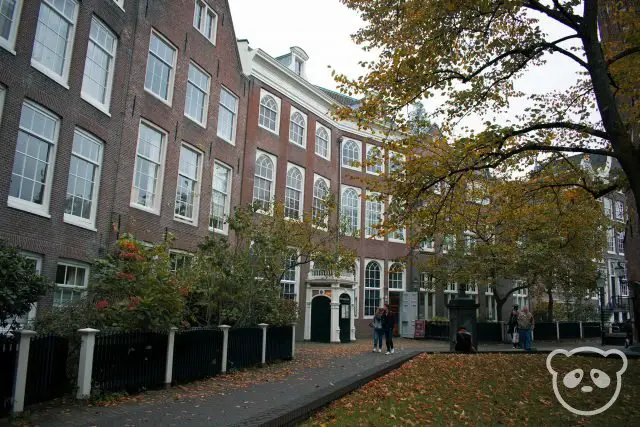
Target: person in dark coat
{"x": 388, "y": 322}
{"x": 513, "y": 325}
{"x": 464, "y": 343}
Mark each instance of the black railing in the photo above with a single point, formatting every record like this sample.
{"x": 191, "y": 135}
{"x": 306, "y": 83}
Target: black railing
{"x": 437, "y": 330}
{"x": 197, "y": 354}
{"x": 47, "y": 370}
{"x": 8, "y": 360}
{"x": 279, "y": 343}
{"x": 489, "y": 331}
{"x": 544, "y": 331}
{"x": 591, "y": 330}
{"x": 245, "y": 348}
{"x": 569, "y": 330}
{"x": 129, "y": 361}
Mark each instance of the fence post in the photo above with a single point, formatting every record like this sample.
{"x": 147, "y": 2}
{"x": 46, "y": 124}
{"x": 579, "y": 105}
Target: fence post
{"x": 168, "y": 373}
{"x": 264, "y": 342}
{"x": 225, "y": 346}
{"x": 85, "y": 366}
{"x": 20, "y": 380}
{"x": 558, "y": 330}
{"x": 581, "y": 331}
{"x": 293, "y": 340}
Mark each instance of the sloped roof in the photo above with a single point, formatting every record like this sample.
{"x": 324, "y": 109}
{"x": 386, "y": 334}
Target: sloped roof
{"x": 341, "y": 99}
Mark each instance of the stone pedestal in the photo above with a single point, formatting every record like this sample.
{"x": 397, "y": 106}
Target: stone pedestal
{"x": 462, "y": 312}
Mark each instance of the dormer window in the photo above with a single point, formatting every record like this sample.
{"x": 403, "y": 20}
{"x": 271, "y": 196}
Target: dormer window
{"x": 298, "y": 66}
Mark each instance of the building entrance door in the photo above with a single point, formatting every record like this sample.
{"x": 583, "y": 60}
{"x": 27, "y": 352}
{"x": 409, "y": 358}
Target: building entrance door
{"x": 345, "y": 318}
{"x": 394, "y": 305}
{"x": 321, "y": 319}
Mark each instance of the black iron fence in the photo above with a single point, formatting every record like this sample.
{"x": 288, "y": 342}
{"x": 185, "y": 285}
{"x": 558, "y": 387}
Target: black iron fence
{"x": 591, "y": 330}
{"x": 569, "y": 330}
{"x": 545, "y": 331}
{"x": 489, "y": 331}
{"x": 197, "y": 354}
{"x": 8, "y": 358}
{"x": 47, "y": 369}
{"x": 437, "y": 330}
{"x": 279, "y": 343}
{"x": 245, "y": 348}
{"x": 130, "y": 361}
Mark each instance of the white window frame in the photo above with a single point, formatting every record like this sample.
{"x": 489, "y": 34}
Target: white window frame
{"x": 342, "y": 159}
{"x": 207, "y": 96}
{"x": 91, "y": 222}
{"x": 370, "y": 170}
{"x": 63, "y": 79}
{"x": 608, "y": 207}
{"x": 234, "y": 125}
{"x": 301, "y": 170}
{"x": 120, "y": 3}
{"x": 102, "y": 106}
{"x": 367, "y": 208}
{"x": 491, "y": 305}
{"x": 448, "y": 243}
{"x": 611, "y": 241}
{"x": 365, "y": 287}
{"x": 272, "y": 191}
{"x": 619, "y": 210}
{"x": 196, "y": 191}
{"x": 425, "y": 247}
{"x": 404, "y": 276}
{"x": 227, "y": 205}
{"x": 172, "y": 72}
{"x": 34, "y": 208}
{"x": 403, "y": 231}
{"x": 278, "y": 101}
{"x": 202, "y": 28}
{"x": 155, "y": 209}
{"x": 9, "y": 44}
{"x": 316, "y": 179}
{"x": 305, "y": 126}
{"x": 296, "y": 281}
{"x": 620, "y": 245}
{"x": 359, "y": 192}
{"x": 449, "y": 290}
{"x": 82, "y": 289}
{"x": 392, "y": 155}
{"x": 318, "y": 127}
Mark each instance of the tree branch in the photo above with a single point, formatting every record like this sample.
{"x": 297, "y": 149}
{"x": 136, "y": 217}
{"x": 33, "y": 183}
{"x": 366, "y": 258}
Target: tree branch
{"x": 563, "y": 17}
{"x": 626, "y": 52}
{"x": 565, "y": 125}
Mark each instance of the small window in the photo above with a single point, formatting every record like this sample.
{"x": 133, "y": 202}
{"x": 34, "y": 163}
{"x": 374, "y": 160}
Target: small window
{"x": 71, "y": 283}
{"x": 84, "y": 180}
{"x": 179, "y": 261}
{"x": 99, "y": 66}
{"x": 608, "y": 212}
{"x": 263, "y": 181}
{"x": 396, "y": 277}
{"x": 297, "y": 129}
{"x": 375, "y": 160}
{"x": 205, "y": 21}
{"x": 351, "y": 155}
{"x": 428, "y": 245}
{"x": 187, "y": 193}
{"x": 322, "y": 142}
{"x": 269, "y": 110}
{"x": 298, "y": 66}
{"x": 620, "y": 210}
{"x": 220, "y": 198}
{"x": 293, "y": 198}
{"x": 161, "y": 63}
{"x": 9, "y": 21}
{"x": 197, "y": 98}
{"x": 148, "y": 176}
{"x": 227, "y": 116}
{"x": 350, "y": 210}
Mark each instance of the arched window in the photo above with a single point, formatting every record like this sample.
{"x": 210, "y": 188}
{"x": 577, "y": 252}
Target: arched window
{"x": 319, "y": 208}
{"x": 296, "y": 129}
{"x": 351, "y": 210}
{"x": 374, "y": 160}
{"x": 293, "y": 193}
{"x": 263, "y": 182}
{"x": 372, "y": 285}
{"x": 268, "y": 112}
{"x": 351, "y": 154}
{"x": 396, "y": 276}
{"x": 322, "y": 142}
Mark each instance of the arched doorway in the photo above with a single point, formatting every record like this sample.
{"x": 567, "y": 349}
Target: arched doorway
{"x": 321, "y": 319}
{"x": 345, "y": 318}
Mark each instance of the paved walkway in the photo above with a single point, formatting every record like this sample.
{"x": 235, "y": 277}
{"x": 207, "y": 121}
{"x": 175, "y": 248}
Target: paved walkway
{"x": 253, "y": 397}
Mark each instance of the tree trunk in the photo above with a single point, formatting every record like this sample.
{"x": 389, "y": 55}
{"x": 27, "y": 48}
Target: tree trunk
{"x": 499, "y": 304}
{"x": 550, "y": 306}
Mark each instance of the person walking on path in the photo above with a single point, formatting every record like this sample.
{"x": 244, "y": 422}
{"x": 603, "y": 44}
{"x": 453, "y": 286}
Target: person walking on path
{"x": 525, "y": 326}
{"x": 513, "y": 326}
{"x": 464, "y": 342}
{"x": 376, "y": 324}
{"x": 388, "y": 322}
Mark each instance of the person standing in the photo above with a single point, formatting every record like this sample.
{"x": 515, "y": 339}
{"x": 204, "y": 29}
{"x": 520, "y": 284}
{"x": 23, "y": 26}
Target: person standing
{"x": 378, "y": 331}
{"x": 525, "y": 326}
{"x": 464, "y": 342}
{"x": 513, "y": 326}
{"x": 388, "y": 322}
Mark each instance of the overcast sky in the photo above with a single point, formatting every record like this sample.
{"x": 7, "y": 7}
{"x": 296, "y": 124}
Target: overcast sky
{"x": 323, "y": 28}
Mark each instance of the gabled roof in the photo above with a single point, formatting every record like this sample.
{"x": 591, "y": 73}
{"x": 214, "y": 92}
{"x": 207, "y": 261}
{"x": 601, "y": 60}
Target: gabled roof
{"x": 340, "y": 98}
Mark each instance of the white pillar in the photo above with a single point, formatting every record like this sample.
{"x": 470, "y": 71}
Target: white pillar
{"x": 225, "y": 346}
{"x": 264, "y": 341}
{"x": 352, "y": 322}
{"x": 85, "y": 366}
{"x": 335, "y": 322}
{"x": 307, "y": 319}
{"x": 558, "y": 330}
{"x": 293, "y": 340}
{"x": 581, "y": 331}
{"x": 168, "y": 373}
{"x": 20, "y": 380}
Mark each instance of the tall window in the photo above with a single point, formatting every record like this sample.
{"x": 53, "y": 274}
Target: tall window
{"x": 179, "y": 261}
{"x": 396, "y": 162}
{"x": 611, "y": 240}
{"x": 396, "y": 277}
{"x": 375, "y": 162}
{"x": 450, "y": 290}
{"x": 293, "y": 193}
{"x": 621, "y": 242}
{"x": 297, "y": 129}
{"x": 99, "y": 65}
{"x": 320, "y": 193}
{"x": 160, "y": 68}
{"x": 448, "y": 244}
{"x": 84, "y": 179}
{"x": 607, "y": 207}
{"x": 288, "y": 281}
{"x": 54, "y": 38}
{"x": 220, "y": 197}
{"x": 491, "y": 305}
{"x": 197, "y": 100}
{"x": 373, "y": 215}
{"x": 322, "y": 142}
{"x": 188, "y": 185}
{"x": 147, "y": 182}
{"x": 351, "y": 154}
{"x": 269, "y": 113}
{"x": 205, "y": 20}
{"x": 351, "y": 210}
{"x": 34, "y": 159}
{"x": 71, "y": 283}
{"x": 227, "y": 116}
{"x": 372, "y": 287}
{"x": 9, "y": 19}
{"x": 263, "y": 182}
{"x": 619, "y": 210}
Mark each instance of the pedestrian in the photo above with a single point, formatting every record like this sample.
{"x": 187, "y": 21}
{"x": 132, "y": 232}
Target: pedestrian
{"x": 464, "y": 342}
{"x": 513, "y": 326}
{"x": 376, "y": 324}
{"x": 525, "y": 326}
{"x": 388, "y": 322}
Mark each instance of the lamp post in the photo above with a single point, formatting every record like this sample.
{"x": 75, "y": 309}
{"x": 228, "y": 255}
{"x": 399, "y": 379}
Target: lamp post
{"x": 620, "y": 272}
{"x": 601, "y": 281}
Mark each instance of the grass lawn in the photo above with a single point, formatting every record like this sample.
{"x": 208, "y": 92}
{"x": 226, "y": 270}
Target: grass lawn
{"x": 488, "y": 389}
